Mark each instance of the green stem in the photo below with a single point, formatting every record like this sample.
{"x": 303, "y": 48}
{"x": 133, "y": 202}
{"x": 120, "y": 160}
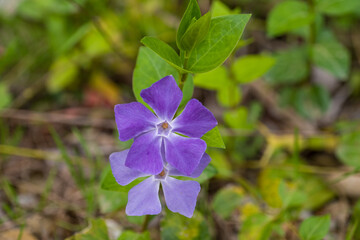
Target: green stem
{"x": 182, "y": 80}
{"x": 145, "y": 223}
{"x": 183, "y": 76}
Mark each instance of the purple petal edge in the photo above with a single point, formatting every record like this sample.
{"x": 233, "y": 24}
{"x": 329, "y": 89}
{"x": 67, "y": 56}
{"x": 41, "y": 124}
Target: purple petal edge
{"x": 183, "y": 153}
{"x": 145, "y": 154}
{"x": 204, "y": 162}
{"x": 132, "y": 119}
{"x": 164, "y": 96}
{"x": 195, "y": 120}
{"x": 123, "y": 175}
{"x": 143, "y": 199}
{"x": 180, "y": 196}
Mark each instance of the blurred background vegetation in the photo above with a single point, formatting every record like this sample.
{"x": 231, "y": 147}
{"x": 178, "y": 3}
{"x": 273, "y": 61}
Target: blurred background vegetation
{"x": 292, "y": 136}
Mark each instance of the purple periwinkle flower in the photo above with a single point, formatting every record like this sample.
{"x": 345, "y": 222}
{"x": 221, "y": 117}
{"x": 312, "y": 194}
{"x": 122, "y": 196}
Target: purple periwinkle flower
{"x": 156, "y": 137}
{"x": 143, "y": 199}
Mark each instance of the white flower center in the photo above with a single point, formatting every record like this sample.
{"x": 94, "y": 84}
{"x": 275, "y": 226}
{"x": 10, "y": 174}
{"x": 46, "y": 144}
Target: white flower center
{"x": 163, "y": 129}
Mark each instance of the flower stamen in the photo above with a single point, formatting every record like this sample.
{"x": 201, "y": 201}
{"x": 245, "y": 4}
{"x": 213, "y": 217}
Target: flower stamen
{"x": 165, "y": 125}
{"x": 162, "y": 173}
{"x": 164, "y": 128}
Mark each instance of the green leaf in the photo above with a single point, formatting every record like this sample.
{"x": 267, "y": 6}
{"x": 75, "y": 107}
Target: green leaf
{"x": 257, "y": 226}
{"x": 110, "y": 201}
{"x": 320, "y": 97}
{"x": 213, "y": 138}
{"x": 213, "y": 80}
{"x": 238, "y": 119}
{"x": 192, "y": 11}
{"x": 317, "y": 191}
{"x": 251, "y": 67}
{"x": 220, "y": 9}
{"x": 62, "y": 73}
{"x": 196, "y": 33}
{"x": 348, "y": 150}
{"x": 130, "y": 235}
{"x": 229, "y": 96}
{"x": 291, "y": 197}
{"x": 311, "y": 187}
{"x": 332, "y": 57}
{"x": 164, "y": 51}
{"x": 309, "y": 101}
{"x": 97, "y": 230}
{"x": 138, "y": 220}
{"x": 221, "y": 163}
{"x": 287, "y": 16}
{"x": 187, "y": 90}
{"x": 315, "y": 228}
{"x": 5, "y": 96}
{"x": 290, "y": 66}
{"x": 109, "y": 183}
{"x": 150, "y": 68}
{"x": 178, "y": 227}
{"x": 209, "y": 172}
{"x": 222, "y": 38}
{"x": 227, "y": 200}
{"x": 337, "y": 7}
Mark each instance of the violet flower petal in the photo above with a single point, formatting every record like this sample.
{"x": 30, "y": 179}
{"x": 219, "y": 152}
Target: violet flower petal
{"x": 133, "y": 119}
{"x": 184, "y": 153}
{"x": 145, "y": 155}
{"x": 195, "y": 120}
{"x": 180, "y": 196}
{"x": 164, "y": 97}
{"x": 204, "y": 161}
{"x": 123, "y": 175}
{"x": 143, "y": 199}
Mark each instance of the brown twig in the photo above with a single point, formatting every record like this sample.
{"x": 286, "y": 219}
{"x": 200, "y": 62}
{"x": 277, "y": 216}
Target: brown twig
{"x": 56, "y": 118}
{"x": 39, "y": 154}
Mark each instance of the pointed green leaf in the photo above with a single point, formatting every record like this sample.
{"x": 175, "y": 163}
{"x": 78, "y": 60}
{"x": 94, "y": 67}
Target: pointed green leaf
{"x": 164, "y": 51}
{"x": 192, "y": 11}
{"x": 251, "y": 67}
{"x": 196, "y": 33}
{"x": 222, "y": 38}
{"x": 315, "y": 228}
{"x": 150, "y": 68}
{"x": 213, "y": 138}
{"x": 109, "y": 183}
{"x": 287, "y": 16}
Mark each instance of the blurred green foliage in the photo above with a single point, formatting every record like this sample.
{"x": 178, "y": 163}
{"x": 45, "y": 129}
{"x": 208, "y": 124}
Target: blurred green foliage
{"x": 53, "y": 53}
